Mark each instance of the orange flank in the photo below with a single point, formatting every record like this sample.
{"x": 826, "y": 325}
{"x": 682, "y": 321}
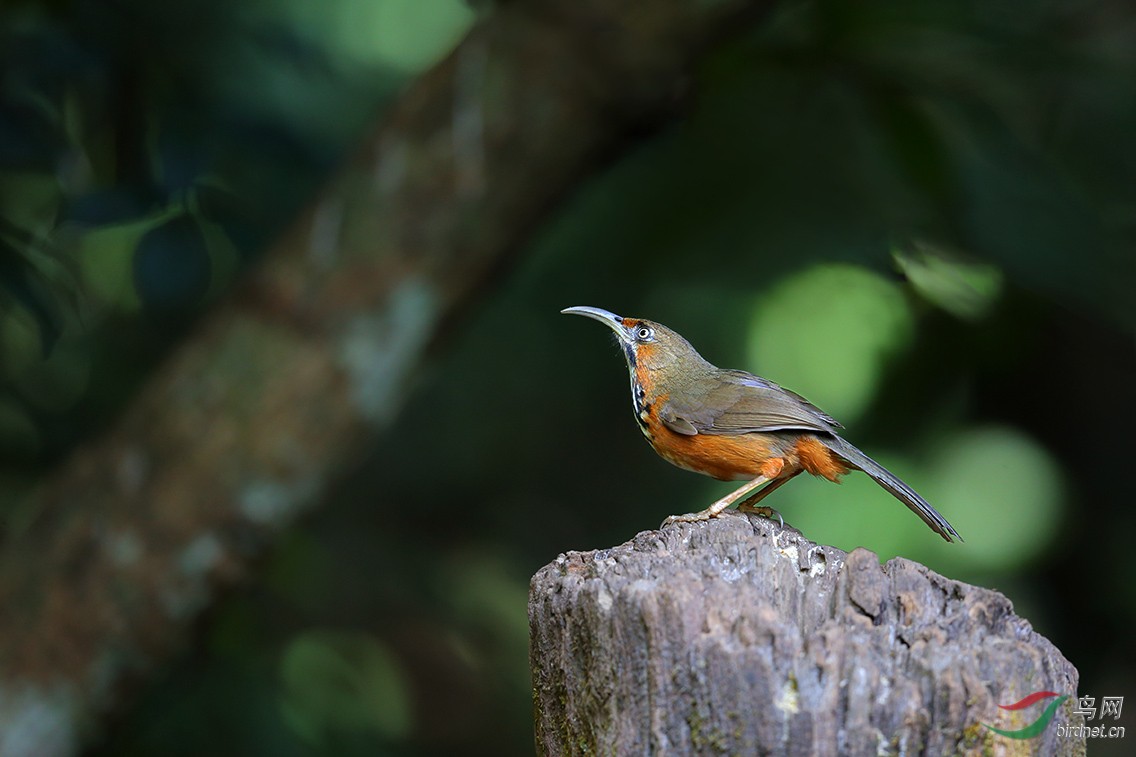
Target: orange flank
{"x": 721, "y": 457}
{"x": 819, "y": 460}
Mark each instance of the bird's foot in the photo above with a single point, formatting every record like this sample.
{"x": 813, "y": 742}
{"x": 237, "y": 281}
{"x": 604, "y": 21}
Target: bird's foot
{"x": 715, "y": 509}
{"x": 765, "y": 512}
{"x": 697, "y": 517}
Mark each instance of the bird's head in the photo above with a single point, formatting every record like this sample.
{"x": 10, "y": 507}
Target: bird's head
{"x": 647, "y": 345}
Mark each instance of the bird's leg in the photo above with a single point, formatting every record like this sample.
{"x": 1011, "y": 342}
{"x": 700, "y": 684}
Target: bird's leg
{"x": 719, "y": 506}
{"x": 750, "y": 504}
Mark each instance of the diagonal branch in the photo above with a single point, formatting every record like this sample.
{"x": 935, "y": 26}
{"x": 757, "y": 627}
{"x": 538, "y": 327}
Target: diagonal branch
{"x": 253, "y": 418}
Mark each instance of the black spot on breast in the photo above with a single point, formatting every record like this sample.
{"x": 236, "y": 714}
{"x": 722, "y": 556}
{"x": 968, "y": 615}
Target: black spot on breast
{"x": 639, "y": 398}
{"x": 629, "y": 351}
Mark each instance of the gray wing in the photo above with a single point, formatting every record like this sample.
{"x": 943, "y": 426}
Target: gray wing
{"x": 736, "y": 402}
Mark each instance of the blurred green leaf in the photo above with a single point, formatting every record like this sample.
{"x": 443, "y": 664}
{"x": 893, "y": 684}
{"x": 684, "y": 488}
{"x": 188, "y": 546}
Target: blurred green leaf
{"x": 106, "y": 259}
{"x": 172, "y": 267}
{"x": 58, "y": 381}
{"x": 21, "y": 342}
{"x": 827, "y": 333}
{"x": 1003, "y": 492}
{"x": 967, "y": 289}
{"x": 37, "y": 280}
{"x": 19, "y": 438}
{"x": 405, "y": 34}
{"x": 30, "y": 201}
{"x": 343, "y": 680}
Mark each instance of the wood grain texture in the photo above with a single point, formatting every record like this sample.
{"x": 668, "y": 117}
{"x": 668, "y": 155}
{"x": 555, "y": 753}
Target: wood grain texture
{"x": 735, "y": 636}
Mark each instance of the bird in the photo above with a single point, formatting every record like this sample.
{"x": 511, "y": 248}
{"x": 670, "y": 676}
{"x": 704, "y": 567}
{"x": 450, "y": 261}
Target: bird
{"x": 735, "y": 426}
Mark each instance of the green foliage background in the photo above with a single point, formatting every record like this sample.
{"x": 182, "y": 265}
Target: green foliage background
{"x": 919, "y": 215}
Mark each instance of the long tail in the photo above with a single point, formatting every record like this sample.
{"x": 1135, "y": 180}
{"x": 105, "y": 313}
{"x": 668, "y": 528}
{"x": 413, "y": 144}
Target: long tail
{"x": 892, "y": 483}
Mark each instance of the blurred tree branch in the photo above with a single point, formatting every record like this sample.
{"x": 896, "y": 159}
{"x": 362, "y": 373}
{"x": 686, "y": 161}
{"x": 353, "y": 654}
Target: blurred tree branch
{"x": 249, "y": 423}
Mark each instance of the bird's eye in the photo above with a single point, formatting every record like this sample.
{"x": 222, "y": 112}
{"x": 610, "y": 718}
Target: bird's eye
{"x": 644, "y": 334}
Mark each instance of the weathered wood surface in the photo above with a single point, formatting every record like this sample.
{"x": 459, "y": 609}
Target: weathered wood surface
{"x": 737, "y": 636}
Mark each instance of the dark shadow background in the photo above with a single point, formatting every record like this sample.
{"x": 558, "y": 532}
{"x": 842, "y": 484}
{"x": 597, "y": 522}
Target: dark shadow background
{"x": 919, "y": 215}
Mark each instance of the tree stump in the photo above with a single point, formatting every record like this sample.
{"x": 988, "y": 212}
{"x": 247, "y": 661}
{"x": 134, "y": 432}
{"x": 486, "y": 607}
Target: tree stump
{"x": 738, "y": 636}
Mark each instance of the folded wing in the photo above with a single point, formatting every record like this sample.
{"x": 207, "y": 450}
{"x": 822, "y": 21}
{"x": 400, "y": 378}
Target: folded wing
{"x": 736, "y": 402}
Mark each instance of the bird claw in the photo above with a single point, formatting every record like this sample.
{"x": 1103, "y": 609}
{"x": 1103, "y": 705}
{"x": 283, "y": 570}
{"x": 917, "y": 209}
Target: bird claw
{"x": 765, "y": 512}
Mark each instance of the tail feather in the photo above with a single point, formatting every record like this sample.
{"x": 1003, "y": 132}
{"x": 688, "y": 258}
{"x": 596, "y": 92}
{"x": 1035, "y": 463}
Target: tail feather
{"x": 893, "y": 485}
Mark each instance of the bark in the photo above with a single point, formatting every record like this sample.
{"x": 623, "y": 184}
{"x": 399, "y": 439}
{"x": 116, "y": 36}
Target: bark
{"x": 736, "y": 636}
{"x": 249, "y": 424}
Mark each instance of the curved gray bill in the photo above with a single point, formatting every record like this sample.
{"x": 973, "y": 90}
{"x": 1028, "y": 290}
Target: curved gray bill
{"x": 611, "y": 320}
